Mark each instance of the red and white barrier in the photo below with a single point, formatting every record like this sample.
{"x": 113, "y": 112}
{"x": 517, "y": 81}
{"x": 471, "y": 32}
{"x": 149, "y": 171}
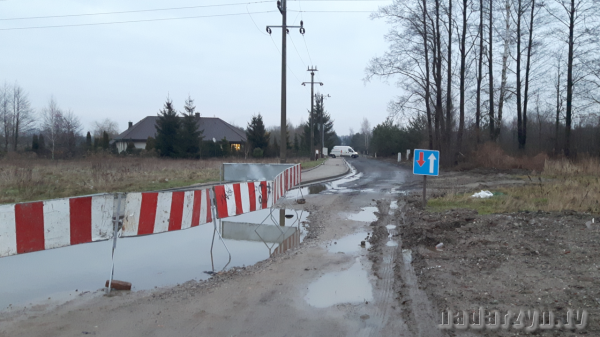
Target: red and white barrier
{"x": 35, "y": 226}
{"x": 287, "y": 180}
{"x": 157, "y": 212}
{"x": 239, "y": 198}
{"x": 292, "y": 241}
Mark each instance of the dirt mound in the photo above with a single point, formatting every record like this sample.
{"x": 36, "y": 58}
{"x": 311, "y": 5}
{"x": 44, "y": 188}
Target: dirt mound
{"x": 543, "y": 261}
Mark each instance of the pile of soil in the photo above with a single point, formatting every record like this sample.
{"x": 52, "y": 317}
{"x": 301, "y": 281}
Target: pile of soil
{"x": 529, "y": 261}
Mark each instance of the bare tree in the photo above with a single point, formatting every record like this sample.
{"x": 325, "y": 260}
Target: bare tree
{"x": 479, "y": 75}
{"x": 503, "y": 86}
{"x": 110, "y": 126}
{"x": 579, "y": 28}
{"x": 491, "y": 68}
{"x": 21, "y": 114}
{"x": 5, "y": 115}
{"x": 52, "y": 121}
{"x": 71, "y": 127}
{"x": 365, "y": 129}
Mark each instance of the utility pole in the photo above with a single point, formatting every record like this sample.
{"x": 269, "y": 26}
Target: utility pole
{"x": 322, "y": 125}
{"x": 281, "y": 5}
{"x": 312, "y": 107}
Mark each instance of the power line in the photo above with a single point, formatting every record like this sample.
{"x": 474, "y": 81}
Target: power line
{"x": 286, "y": 66}
{"x": 133, "y": 21}
{"x": 333, "y": 11}
{"x": 301, "y": 59}
{"x": 342, "y": 0}
{"x": 132, "y": 11}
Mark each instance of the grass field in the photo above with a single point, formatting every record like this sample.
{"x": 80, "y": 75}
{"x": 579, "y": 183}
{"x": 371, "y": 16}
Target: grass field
{"x": 26, "y": 179}
{"x": 562, "y": 185}
{"x": 313, "y": 163}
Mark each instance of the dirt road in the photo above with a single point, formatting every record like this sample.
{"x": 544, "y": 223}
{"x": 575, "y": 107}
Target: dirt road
{"x": 330, "y": 286}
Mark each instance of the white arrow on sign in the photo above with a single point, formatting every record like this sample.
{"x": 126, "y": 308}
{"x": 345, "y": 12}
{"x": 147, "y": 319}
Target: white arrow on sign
{"x": 431, "y": 162}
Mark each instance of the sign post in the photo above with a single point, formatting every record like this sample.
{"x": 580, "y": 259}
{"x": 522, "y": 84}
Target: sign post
{"x": 426, "y": 163}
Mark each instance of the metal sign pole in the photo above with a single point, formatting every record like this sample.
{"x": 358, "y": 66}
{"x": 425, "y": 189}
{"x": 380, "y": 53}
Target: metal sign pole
{"x": 424, "y": 191}
{"x": 115, "y": 235}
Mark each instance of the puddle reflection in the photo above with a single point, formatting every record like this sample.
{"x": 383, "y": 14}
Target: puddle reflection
{"x": 349, "y": 244}
{"x": 147, "y": 262}
{"x": 349, "y": 286}
{"x": 367, "y": 214}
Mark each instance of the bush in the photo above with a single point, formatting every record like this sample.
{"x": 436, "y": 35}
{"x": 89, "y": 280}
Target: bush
{"x": 257, "y": 153}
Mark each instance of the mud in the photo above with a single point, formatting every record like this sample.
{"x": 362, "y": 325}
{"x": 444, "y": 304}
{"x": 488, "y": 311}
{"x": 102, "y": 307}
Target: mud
{"x": 543, "y": 261}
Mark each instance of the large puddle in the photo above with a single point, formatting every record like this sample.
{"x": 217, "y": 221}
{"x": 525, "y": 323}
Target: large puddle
{"x": 348, "y": 286}
{"x": 57, "y": 275}
{"x": 367, "y": 214}
{"x": 349, "y": 244}
{"x": 332, "y": 187}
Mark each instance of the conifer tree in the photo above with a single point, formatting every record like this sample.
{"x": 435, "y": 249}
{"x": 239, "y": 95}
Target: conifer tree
{"x": 167, "y": 131}
{"x": 105, "y": 141}
{"x": 88, "y": 141}
{"x": 257, "y": 135}
{"x": 35, "y": 144}
{"x": 190, "y": 136}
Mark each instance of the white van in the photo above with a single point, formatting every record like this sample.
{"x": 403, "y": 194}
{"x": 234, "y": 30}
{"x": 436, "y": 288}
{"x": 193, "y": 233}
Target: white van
{"x": 343, "y": 151}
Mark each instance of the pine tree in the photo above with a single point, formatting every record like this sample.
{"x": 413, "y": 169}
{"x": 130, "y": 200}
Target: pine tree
{"x": 88, "y": 141}
{"x": 167, "y": 131}
{"x": 105, "y": 141}
{"x": 296, "y": 143}
{"x": 150, "y": 144}
{"x": 330, "y": 135}
{"x": 275, "y": 149}
{"x": 226, "y": 147}
{"x": 190, "y": 136}
{"x": 35, "y": 144}
{"x": 42, "y": 142}
{"x": 257, "y": 135}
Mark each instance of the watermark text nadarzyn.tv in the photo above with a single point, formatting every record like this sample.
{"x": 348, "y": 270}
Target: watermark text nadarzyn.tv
{"x": 527, "y": 320}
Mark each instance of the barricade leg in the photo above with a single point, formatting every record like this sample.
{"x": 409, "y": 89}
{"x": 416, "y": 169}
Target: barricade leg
{"x": 116, "y": 221}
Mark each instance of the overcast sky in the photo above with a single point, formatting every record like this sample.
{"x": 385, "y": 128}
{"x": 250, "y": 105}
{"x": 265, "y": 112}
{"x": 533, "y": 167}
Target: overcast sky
{"x": 228, "y": 64}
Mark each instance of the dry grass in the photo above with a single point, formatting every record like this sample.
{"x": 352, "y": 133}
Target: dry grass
{"x": 490, "y": 155}
{"x": 563, "y": 185}
{"x": 26, "y": 179}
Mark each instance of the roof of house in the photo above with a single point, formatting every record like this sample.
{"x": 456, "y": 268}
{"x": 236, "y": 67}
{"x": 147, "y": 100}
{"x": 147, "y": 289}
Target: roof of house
{"x": 213, "y": 127}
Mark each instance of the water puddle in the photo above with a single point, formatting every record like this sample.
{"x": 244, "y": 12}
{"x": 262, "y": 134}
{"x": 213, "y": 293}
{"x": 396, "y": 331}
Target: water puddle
{"x": 395, "y": 190}
{"x": 332, "y": 187}
{"x": 393, "y": 207}
{"x": 304, "y": 191}
{"x": 349, "y": 244}
{"x": 367, "y": 214}
{"x": 407, "y": 256}
{"x": 391, "y": 243}
{"x": 147, "y": 262}
{"x": 349, "y": 286}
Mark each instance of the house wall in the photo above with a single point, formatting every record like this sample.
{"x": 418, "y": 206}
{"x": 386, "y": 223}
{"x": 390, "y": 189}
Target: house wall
{"x": 122, "y": 146}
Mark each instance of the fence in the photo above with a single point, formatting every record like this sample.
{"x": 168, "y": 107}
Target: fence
{"x": 35, "y": 226}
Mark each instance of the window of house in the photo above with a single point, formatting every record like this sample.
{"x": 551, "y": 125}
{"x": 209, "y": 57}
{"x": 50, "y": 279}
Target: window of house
{"x": 236, "y": 147}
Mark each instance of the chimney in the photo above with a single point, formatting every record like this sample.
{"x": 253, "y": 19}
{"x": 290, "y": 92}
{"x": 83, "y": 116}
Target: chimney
{"x": 197, "y": 115}
{"x": 130, "y": 125}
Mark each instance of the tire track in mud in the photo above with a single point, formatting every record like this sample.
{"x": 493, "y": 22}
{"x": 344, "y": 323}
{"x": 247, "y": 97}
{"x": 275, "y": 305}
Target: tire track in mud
{"x": 416, "y": 308}
{"x": 387, "y": 320}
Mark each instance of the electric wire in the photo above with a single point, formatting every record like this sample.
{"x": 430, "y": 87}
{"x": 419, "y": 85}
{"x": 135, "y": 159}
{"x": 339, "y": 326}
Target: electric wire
{"x": 132, "y": 21}
{"x": 286, "y": 65}
{"x": 131, "y": 11}
{"x": 333, "y": 11}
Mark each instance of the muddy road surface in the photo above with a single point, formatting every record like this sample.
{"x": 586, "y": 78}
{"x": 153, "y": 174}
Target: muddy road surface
{"x": 328, "y": 286}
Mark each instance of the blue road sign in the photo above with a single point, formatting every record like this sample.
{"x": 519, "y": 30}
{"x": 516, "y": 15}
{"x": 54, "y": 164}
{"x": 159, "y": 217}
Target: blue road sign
{"x": 426, "y": 162}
